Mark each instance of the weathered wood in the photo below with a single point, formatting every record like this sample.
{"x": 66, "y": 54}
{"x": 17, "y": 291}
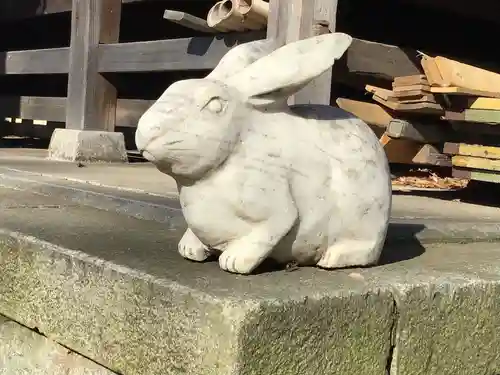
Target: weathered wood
{"x": 475, "y": 115}
{"x": 27, "y": 9}
{"x": 42, "y": 61}
{"x": 419, "y": 87}
{"x": 474, "y": 174}
{"x": 372, "y": 114}
{"x": 431, "y": 71}
{"x": 466, "y": 76}
{"x": 198, "y": 53}
{"x": 188, "y": 20}
{"x": 452, "y": 90}
{"x": 430, "y": 155}
{"x": 418, "y": 79}
{"x": 418, "y": 131}
{"x": 128, "y": 111}
{"x": 91, "y": 98}
{"x": 478, "y": 151}
{"x": 475, "y": 163}
{"x": 420, "y": 107}
{"x": 292, "y": 20}
{"x": 399, "y": 151}
{"x": 477, "y": 103}
{"x": 378, "y": 60}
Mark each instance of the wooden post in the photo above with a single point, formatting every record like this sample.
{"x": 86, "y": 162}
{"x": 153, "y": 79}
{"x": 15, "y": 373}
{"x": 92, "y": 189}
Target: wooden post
{"x": 292, "y": 20}
{"x": 91, "y": 98}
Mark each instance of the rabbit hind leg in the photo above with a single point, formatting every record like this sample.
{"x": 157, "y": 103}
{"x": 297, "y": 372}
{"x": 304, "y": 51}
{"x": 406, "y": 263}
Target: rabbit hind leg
{"x": 351, "y": 253}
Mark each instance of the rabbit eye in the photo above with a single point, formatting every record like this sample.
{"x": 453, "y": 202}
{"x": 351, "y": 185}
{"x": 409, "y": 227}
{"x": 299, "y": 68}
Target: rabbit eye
{"x": 215, "y": 105}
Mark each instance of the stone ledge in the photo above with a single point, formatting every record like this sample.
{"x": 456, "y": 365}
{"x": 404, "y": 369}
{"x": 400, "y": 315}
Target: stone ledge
{"x": 87, "y": 146}
{"x": 114, "y": 289}
{"x": 23, "y": 351}
{"x": 305, "y": 322}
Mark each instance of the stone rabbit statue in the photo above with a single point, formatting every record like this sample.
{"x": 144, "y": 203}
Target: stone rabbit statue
{"x": 258, "y": 179}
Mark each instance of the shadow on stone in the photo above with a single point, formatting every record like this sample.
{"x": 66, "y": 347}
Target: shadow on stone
{"x": 402, "y": 243}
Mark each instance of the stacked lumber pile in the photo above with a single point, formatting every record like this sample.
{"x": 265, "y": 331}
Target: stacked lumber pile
{"x": 448, "y": 116}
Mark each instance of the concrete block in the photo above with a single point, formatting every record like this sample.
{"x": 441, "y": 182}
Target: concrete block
{"x": 449, "y": 314}
{"x": 195, "y": 323}
{"x": 113, "y": 288}
{"x": 23, "y": 351}
{"x": 87, "y": 146}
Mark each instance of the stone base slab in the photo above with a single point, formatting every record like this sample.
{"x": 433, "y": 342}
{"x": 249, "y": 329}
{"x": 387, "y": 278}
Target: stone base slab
{"x": 87, "y": 146}
{"x": 113, "y": 289}
{"x": 23, "y": 351}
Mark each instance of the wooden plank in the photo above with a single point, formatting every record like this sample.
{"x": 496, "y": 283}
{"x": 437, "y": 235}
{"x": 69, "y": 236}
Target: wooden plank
{"x": 400, "y": 151}
{"x": 419, "y": 87}
{"x": 41, "y": 61}
{"x": 467, "y": 76}
{"x": 418, "y": 79}
{"x": 474, "y": 115}
{"x": 482, "y": 103}
{"x": 128, "y": 111}
{"x": 474, "y": 174}
{"x": 417, "y": 131}
{"x": 475, "y": 163}
{"x": 370, "y": 113}
{"x": 292, "y": 20}
{"x": 188, "y": 20}
{"x": 432, "y": 72}
{"x": 382, "y": 61}
{"x": 91, "y": 98}
{"x": 422, "y": 107}
{"x": 198, "y": 53}
{"x": 478, "y": 151}
{"x": 380, "y": 92}
{"x": 12, "y": 10}
{"x": 461, "y": 91}
{"x": 412, "y": 94}
{"x": 430, "y": 155}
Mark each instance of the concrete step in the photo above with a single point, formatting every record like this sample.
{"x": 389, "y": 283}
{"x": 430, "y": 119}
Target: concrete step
{"x": 414, "y": 219}
{"x": 112, "y": 288}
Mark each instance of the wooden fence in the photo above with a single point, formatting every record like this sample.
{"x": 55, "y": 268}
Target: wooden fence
{"x": 92, "y": 102}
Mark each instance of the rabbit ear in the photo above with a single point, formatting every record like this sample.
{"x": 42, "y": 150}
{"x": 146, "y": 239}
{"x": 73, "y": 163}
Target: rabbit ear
{"x": 241, "y": 56}
{"x": 289, "y": 68}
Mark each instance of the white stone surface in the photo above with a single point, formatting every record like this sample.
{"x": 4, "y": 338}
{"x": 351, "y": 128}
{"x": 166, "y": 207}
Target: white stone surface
{"x": 87, "y": 146}
{"x": 259, "y": 179}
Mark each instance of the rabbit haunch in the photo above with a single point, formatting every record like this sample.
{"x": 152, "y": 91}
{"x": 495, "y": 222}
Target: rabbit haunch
{"x": 258, "y": 179}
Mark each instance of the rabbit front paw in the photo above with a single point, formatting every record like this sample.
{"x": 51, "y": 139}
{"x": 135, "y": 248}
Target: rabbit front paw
{"x": 190, "y": 247}
{"x": 242, "y": 258}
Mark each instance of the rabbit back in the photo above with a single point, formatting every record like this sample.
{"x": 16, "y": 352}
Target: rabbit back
{"x": 342, "y": 186}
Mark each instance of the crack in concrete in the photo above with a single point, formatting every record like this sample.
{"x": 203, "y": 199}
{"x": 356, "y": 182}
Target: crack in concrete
{"x": 392, "y": 337}
{"x": 70, "y": 351}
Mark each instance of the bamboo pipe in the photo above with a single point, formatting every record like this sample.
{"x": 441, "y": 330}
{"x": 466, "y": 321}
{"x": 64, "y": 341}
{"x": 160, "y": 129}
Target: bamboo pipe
{"x": 226, "y": 14}
{"x": 257, "y": 10}
{"x": 214, "y": 18}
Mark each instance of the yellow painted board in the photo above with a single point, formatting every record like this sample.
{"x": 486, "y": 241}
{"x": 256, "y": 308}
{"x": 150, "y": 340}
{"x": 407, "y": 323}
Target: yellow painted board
{"x": 478, "y": 151}
{"x": 476, "y": 163}
{"x": 483, "y": 103}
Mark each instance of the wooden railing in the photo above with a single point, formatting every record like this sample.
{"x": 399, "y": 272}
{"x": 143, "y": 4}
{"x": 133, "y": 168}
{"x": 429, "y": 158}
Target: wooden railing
{"x": 92, "y": 101}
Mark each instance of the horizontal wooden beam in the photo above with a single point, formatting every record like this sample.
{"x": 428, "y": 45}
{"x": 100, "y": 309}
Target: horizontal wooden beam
{"x": 362, "y": 59}
{"x": 128, "y": 111}
{"x": 198, "y": 53}
{"x": 376, "y": 60}
{"x": 12, "y": 10}
{"x": 41, "y": 61}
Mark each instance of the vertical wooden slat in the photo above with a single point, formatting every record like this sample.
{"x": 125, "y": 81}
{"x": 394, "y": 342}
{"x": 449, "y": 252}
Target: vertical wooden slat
{"x": 91, "y": 98}
{"x": 292, "y": 20}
